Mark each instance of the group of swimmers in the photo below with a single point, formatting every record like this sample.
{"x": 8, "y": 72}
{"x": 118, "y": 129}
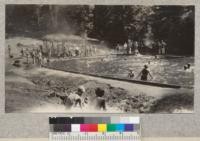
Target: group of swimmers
{"x": 186, "y": 67}
{"x": 144, "y": 73}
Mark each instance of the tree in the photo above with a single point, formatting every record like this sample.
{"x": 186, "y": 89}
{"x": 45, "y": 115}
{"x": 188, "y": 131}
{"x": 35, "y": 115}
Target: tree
{"x": 118, "y": 23}
{"x": 111, "y": 23}
{"x": 175, "y": 25}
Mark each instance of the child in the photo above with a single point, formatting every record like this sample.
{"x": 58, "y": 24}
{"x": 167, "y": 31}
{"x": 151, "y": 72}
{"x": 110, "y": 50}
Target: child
{"x": 131, "y": 74}
{"x": 101, "y": 102}
{"x": 76, "y": 97}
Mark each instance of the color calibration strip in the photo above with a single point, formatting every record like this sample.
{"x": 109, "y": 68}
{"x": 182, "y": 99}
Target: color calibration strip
{"x": 94, "y": 128}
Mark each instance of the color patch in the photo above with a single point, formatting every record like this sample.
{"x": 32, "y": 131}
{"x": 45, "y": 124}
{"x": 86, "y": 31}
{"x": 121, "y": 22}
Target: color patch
{"x": 77, "y": 120}
{"x": 75, "y": 128}
{"x": 93, "y": 128}
{"x": 51, "y": 128}
{"x": 67, "y": 127}
{"x": 111, "y": 127}
{"x": 59, "y": 127}
{"x": 102, "y": 127}
{"x": 59, "y": 120}
{"x": 88, "y": 128}
{"x": 129, "y": 127}
{"x": 119, "y": 127}
{"x": 84, "y": 127}
{"x": 134, "y": 120}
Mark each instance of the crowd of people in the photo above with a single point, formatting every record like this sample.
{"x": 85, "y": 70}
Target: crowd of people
{"x": 134, "y": 47}
{"x": 62, "y": 49}
{"x": 129, "y": 47}
{"x": 43, "y": 53}
{"x": 33, "y": 55}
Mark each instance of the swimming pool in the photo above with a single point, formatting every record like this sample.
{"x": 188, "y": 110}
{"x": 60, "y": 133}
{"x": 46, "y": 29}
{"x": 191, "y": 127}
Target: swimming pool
{"x": 168, "y": 70}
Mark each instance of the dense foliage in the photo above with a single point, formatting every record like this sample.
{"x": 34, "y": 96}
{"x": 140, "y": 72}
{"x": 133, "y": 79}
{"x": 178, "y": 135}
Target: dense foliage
{"x": 113, "y": 24}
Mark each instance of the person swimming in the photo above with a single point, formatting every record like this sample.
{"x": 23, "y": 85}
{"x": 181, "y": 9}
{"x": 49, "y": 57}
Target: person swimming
{"x": 185, "y": 67}
{"x": 144, "y": 73}
{"x": 188, "y": 68}
{"x": 131, "y": 74}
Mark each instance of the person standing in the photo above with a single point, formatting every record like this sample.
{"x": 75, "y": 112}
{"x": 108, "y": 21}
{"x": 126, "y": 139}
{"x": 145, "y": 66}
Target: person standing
{"x": 163, "y": 47}
{"x": 159, "y": 47}
{"x": 40, "y": 58}
{"x": 125, "y": 46}
{"x": 136, "y": 46}
{"x": 9, "y": 51}
{"x": 130, "y": 45}
{"x": 22, "y": 52}
{"x": 27, "y": 55}
{"x": 118, "y": 48}
{"x": 33, "y": 56}
{"x": 100, "y": 101}
{"x": 144, "y": 73}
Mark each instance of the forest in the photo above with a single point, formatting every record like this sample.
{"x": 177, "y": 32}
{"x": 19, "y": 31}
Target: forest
{"x": 114, "y": 24}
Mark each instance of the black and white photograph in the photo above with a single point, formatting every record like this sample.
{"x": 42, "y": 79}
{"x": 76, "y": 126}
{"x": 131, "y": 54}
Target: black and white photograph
{"x": 99, "y": 58}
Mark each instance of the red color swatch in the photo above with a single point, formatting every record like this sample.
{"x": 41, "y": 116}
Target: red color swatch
{"x": 89, "y": 127}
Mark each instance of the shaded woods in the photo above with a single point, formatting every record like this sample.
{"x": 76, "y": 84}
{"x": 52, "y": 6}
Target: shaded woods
{"x": 113, "y": 24}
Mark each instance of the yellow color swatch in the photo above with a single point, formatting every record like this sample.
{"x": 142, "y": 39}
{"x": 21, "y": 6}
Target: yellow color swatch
{"x": 102, "y": 127}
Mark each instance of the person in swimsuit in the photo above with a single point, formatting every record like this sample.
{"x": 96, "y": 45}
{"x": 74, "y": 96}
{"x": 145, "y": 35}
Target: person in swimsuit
{"x": 144, "y": 73}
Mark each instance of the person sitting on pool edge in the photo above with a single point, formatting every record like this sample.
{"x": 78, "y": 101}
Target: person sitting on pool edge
{"x": 100, "y": 102}
{"x": 144, "y": 73}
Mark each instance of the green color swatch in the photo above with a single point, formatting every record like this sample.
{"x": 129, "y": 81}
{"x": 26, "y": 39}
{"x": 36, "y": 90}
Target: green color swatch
{"x": 111, "y": 127}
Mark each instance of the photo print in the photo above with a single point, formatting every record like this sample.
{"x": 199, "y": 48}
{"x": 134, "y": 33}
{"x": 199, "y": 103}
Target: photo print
{"x": 99, "y": 59}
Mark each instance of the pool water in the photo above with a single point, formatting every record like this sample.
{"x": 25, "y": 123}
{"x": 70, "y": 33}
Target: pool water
{"x": 168, "y": 70}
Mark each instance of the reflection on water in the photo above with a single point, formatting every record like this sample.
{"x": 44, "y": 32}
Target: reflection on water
{"x": 164, "y": 70}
